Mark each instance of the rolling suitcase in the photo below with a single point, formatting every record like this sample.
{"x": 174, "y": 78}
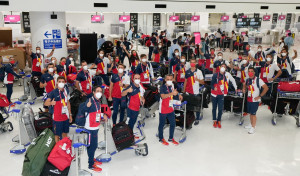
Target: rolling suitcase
{"x": 75, "y": 100}
{"x": 37, "y": 153}
{"x": 51, "y": 170}
{"x": 190, "y": 118}
{"x": 44, "y": 121}
{"x": 123, "y": 136}
{"x": 150, "y": 98}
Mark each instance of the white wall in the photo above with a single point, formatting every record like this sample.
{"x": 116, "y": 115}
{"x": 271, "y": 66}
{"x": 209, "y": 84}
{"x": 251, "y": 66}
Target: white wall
{"x": 40, "y": 23}
{"x": 148, "y": 6}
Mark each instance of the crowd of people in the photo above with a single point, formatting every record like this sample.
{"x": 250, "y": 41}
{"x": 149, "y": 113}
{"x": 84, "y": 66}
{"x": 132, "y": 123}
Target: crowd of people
{"x": 252, "y": 73}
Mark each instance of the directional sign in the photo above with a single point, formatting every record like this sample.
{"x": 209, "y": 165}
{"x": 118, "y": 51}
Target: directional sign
{"x": 55, "y": 39}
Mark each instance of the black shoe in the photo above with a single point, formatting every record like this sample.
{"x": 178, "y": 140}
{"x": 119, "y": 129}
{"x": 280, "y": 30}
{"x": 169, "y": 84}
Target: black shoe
{"x": 196, "y": 122}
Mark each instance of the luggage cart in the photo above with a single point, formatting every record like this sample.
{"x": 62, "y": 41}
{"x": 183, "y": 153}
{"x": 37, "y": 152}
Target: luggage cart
{"x": 181, "y": 107}
{"x": 233, "y": 94}
{"x": 287, "y": 95}
{"x": 110, "y": 148}
{"x": 81, "y": 139}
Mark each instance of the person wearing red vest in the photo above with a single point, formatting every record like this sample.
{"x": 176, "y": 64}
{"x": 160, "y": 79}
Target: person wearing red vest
{"x": 145, "y": 70}
{"x": 179, "y": 74}
{"x": 219, "y": 89}
{"x": 48, "y": 82}
{"x": 61, "y": 68}
{"x": 157, "y": 52}
{"x": 253, "y": 85}
{"x": 166, "y": 110}
{"x": 243, "y": 68}
{"x": 58, "y": 99}
{"x": 102, "y": 64}
{"x": 285, "y": 63}
{"x": 118, "y": 82}
{"x": 37, "y": 60}
{"x": 94, "y": 110}
{"x": 10, "y": 75}
{"x": 174, "y": 61}
{"x": 135, "y": 93}
{"x": 84, "y": 80}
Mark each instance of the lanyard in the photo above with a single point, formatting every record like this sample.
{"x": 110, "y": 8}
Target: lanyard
{"x": 169, "y": 92}
{"x": 63, "y": 100}
{"x": 87, "y": 78}
{"x": 96, "y": 105}
{"x": 146, "y": 68}
{"x": 120, "y": 77}
{"x": 222, "y": 80}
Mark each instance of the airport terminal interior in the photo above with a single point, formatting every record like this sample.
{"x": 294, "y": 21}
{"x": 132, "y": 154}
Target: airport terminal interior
{"x": 150, "y": 88}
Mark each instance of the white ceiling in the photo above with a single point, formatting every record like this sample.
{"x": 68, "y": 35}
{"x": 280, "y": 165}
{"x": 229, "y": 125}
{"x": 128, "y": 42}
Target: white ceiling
{"x": 149, "y": 5}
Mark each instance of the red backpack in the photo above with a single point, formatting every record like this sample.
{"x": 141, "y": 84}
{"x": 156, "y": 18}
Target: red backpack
{"x": 148, "y": 43}
{"x": 61, "y": 155}
{"x": 293, "y": 86}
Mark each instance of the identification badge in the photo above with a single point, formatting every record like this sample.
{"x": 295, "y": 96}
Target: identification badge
{"x": 88, "y": 86}
{"x": 171, "y": 103}
{"x": 37, "y": 64}
{"x": 249, "y": 93}
{"x": 211, "y": 66}
{"x": 64, "y": 110}
{"x": 145, "y": 75}
{"x": 182, "y": 75}
{"x": 265, "y": 75}
{"x": 222, "y": 87}
{"x": 98, "y": 116}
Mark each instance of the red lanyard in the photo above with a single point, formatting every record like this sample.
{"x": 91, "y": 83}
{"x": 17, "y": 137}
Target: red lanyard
{"x": 145, "y": 66}
{"x": 62, "y": 98}
{"x": 96, "y": 105}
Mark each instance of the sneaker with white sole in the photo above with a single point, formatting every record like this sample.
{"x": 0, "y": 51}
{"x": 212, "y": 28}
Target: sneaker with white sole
{"x": 251, "y": 130}
{"x": 248, "y": 126}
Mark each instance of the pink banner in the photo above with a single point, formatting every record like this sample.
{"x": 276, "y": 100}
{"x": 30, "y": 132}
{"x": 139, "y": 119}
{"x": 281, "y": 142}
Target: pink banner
{"x": 97, "y": 18}
{"x": 267, "y": 17}
{"x": 197, "y": 37}
{"x": 124, "y": 18}
{"x": 225, "y": 18}
{"x": 174, "y": 18}
{"x": 195, "y": 18}
{"x": 12, "y": 19}
{"x": 281, "y": 17}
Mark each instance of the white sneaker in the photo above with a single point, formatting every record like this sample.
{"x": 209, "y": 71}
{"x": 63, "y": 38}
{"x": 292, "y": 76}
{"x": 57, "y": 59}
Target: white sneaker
{"x": 248, "y": 126}
{"x": 251, "y": 130}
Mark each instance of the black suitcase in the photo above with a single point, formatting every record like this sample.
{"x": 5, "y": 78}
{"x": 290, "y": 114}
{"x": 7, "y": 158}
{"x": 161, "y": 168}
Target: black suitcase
{"x": 192, "y": 100}
{"x": 44, "y": 121}
{"x": 50, "y": 170}
{"x": 238, "y": 105}
{"x": 150, "y": 98}
{"x": 123, "y": 136}
{"x": 163, "y": 71}
{"x": 35, "y": 81}
{"x": 227, "y": 103}
{"x": 97, "y": 80}
{"x": 190, "y": 118}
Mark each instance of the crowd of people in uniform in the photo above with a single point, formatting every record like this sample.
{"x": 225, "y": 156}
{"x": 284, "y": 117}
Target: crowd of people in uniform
{"x": 252, "y": 73}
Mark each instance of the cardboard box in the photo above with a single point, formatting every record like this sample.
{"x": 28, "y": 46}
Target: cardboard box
{"x": 17, "y": 53}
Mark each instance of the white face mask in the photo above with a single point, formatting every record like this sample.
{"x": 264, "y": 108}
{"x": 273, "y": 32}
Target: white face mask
{"x": 144, "y": 60}
{"x": 222, "y": 69}
{"x": 85, "y": 67}
{"x": 220, "y": 57}
{"x": 169, "y": 83}
{"x": 176, "y": 54}
{"x": 54, "y": 62}
{"x": 182, "y": 60}
{"x": 101, "y": 55}
{"x": 268, "y": 59}
{"x": 159, "y": 46}
{"x": 61, "y": 85}
{"x": 137, "y": 81}
{"x": 38, "y": 51}
{"x": 283, "y": 54}
{"x": 98, "y": 95}
{"x": 71, "y": 58}
{"x": 259, "y": 50}
{"x": 120, "y": 70}
{"x": 51, "y": 70}
{"x": 244, "y": 62}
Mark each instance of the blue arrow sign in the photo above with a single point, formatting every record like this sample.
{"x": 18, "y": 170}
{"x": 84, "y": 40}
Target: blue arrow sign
{"x": 46, "y": 34}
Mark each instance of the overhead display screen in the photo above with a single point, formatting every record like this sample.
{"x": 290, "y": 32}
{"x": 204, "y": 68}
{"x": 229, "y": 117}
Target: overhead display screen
{"x": 248, "y": 22}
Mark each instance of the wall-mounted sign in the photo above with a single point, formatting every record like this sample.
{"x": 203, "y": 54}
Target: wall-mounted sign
{"x": 25, "y": 22}
{"x": 134, "y": 21}
{"x": 53, "y": 38}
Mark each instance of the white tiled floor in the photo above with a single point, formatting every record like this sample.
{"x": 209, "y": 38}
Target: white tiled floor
{"x": 230, "y": 151}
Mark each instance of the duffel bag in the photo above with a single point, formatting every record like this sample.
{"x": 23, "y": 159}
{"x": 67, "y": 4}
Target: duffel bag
{"x": 3, "y": 101}
{"x": 51, "y": 170}
{"x": 192, "y": 100}
{"x": 150, "y": 98}
{"x": 123, "y": 136}
{"x": 37, "y": 153}
{"x": 293, "y": 86}
{"x": 61, "y": 155}
{"x": 44, "y": 121}
{"x": 179, "y": 118}
{"x": 71, "y": 78}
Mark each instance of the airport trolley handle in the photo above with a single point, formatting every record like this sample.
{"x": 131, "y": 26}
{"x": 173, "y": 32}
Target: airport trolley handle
{"x": 79, "y": 130}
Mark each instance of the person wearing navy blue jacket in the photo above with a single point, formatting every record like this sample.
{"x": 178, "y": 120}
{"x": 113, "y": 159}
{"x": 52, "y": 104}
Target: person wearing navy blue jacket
{"x": 93, "y": 112}
{"x": 168, "y": 94}
{"x": 9, "y": 77}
